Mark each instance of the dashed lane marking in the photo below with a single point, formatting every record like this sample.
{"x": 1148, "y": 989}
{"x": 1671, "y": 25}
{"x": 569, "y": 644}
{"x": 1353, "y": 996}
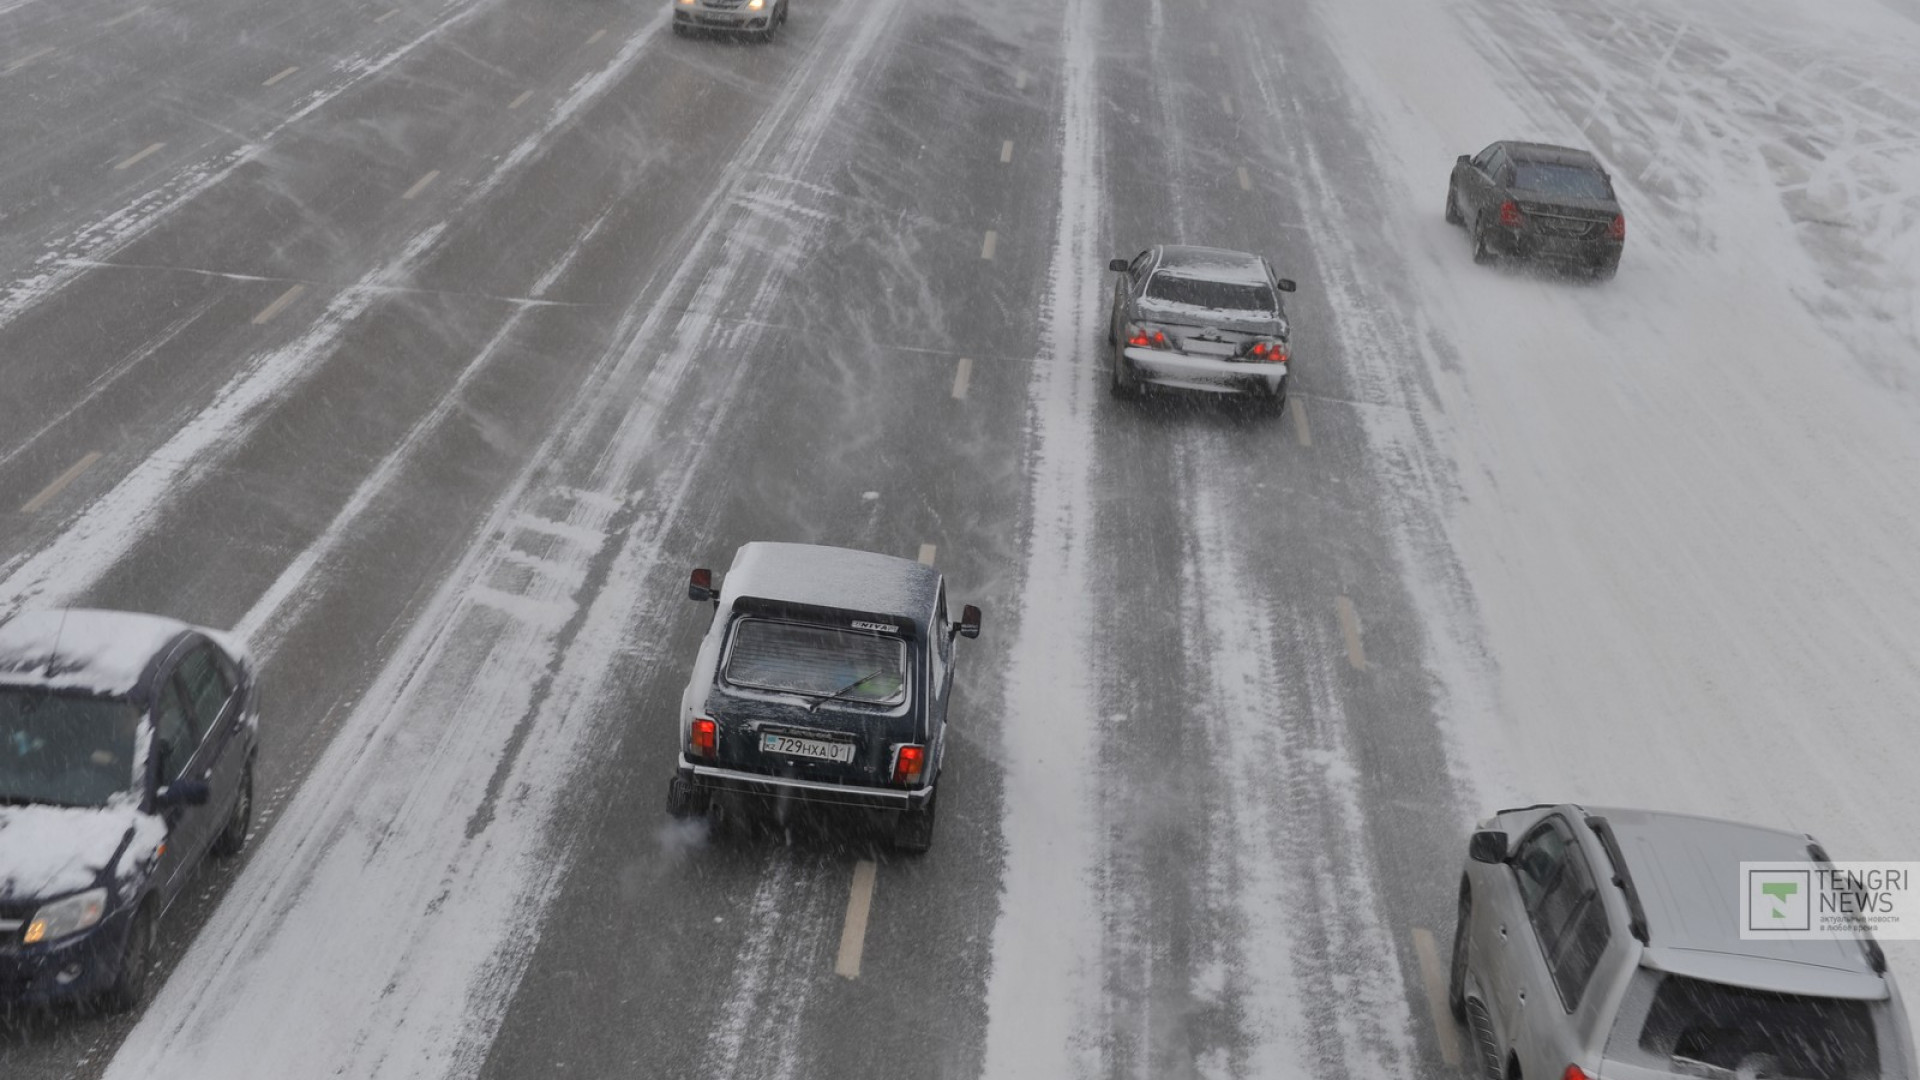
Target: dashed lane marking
{"x": 521, "y": 100}
{"x": 926, "y": 554}
{"x": 1213, "y": 49}
{"x": 1350, "y": 629}
{"x": 1300, "y": 429}
{"x": 122, "y": 17}
{"x": 282, "y": 75}
{"x": 1226, "y": 104}
{"x": 1246, "y": 182}
{"x": 279, "y": 304}
{"x": 597, "y": 35}
{"x": 853, "y": 935}
{"x": 1019, "y": 80}
{"x": 29, "y": 58}
{"x": 1435, "y": 980}
{"x": 1006, "y": 151}
{"x": 387, "y": 16}
{"x": 962, "y": 375}
{"x": 420, "y": 185}
{"x": 139, "y": 157}
{"x": 987, "y": 245}
{"x": 60, "y": 483}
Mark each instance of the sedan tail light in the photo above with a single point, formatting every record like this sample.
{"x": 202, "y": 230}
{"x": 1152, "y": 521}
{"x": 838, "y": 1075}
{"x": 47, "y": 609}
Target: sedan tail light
{"x": 909, "y": 762}
{"x": 1575, "y": 1072}
{"x": 1140, "y": 337}
{"x": 703, "y": 738}
{"x": 1268, "y": 350}
{"x": 1618, "y": 230}
{"x": 1510, "y": 215}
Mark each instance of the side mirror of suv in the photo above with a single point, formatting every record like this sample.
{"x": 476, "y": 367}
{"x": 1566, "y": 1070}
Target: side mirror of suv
{"x": 1488, "y": 846}
{"x": 1118, "y": 266}
{"x": 969, "y": 624}
{"x": 182, "y": 793}
{"x": 1465, "y": 159}
{"x": 1286, "y": 284}
{"x": 700, "y": 585}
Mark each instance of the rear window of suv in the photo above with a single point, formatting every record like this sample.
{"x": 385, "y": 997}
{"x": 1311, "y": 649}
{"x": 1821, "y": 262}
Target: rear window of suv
{"x": 1708, "y": 1029}
{"x": 816, "y": 661}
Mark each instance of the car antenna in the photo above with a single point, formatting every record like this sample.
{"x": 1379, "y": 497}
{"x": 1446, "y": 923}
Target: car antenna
{"x": 54, "y": 654}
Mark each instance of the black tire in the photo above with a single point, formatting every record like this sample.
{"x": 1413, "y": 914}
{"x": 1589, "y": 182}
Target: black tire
{"x": 1453, "y": 208}
{"x": 1482, "y": 254}
{"x": 1123, "y": 388}
{"x": 129, "y": 989}
{"x": 233, "y": 839}
{"x": 783, "y": 14}
{"x": 914, "y": 834}
{"x": 1605, "y": 271}
{"x": 679, "y": 29}
{"x": 681, "y": 800}
{"x": 1457, "y": 973}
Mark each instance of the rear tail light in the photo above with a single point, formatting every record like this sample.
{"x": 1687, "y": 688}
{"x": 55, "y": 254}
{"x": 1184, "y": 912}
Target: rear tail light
{"x": 1140, "y": 337}
{"x": 1575, "y": 1072}
{"x": 703, "y": 738}
{"x": 1268, "y": 350}
{"x": 1618, "y": 229}
{"x": 1510, "y": 216}
{"x": 909, "y": 763}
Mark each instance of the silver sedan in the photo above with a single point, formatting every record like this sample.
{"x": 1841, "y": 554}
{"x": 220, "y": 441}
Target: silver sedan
{"x": 1199, "y": 319}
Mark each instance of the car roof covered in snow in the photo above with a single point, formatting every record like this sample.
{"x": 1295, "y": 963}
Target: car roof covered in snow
{"x": 1212, "y": 264}
{"x": 1547, "y": 153}
{"x": 1687, "y": 872}
{"x": 102, "y": 652}
{"x": 833, "y": 579}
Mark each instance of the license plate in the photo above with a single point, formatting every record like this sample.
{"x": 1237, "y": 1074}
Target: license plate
{"x": 808, "y": 748}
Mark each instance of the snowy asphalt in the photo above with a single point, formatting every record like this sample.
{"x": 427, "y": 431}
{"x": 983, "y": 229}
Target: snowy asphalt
{"x": 430, "y": 345}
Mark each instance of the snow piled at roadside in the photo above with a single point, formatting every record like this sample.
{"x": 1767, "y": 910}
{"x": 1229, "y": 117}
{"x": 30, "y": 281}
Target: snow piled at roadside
{"x": 1685, "y": 505}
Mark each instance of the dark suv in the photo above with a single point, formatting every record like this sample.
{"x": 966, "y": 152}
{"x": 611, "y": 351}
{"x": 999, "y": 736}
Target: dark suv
{"x": 126, "y": 755}
{"x": 1610, "y": 943}
{"x": 824, "y": 678}
{"x": 1533, "y": 201}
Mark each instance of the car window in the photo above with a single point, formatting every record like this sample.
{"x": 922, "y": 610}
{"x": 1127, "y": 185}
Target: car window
{"x": 1537, "y": 861}
{"x": 1218, "y": 295}
{"x": 942, "y": 650}
{"x": 174, "y": 724}
{"x": 71, "y": 749}
{"x": 1139, "y": 267}
{"x": 206, "y": 687}
{"x": 1553, "y": 178}
{"x": 1752, "y": 1032}
{"x": 1485, "y": 157}
{"x": 1577, "y": 953}
{"x": 817, "y": 660}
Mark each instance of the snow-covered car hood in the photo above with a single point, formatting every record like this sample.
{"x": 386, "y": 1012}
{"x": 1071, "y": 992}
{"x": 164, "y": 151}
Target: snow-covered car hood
{"x": 48, "y": 851}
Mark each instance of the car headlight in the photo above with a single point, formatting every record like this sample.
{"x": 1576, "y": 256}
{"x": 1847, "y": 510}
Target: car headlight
{"x": 756, "y": 5}
{"x": 70, "y": 916}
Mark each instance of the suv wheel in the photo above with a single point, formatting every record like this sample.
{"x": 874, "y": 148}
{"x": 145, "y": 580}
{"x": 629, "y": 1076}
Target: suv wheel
{"x": 129, "y": 988}
{"x": 914, "y": 834}
{"x": 1457, "y": 976}
{"x": 1453, "y": 209}
{"x": 233, "y": 839}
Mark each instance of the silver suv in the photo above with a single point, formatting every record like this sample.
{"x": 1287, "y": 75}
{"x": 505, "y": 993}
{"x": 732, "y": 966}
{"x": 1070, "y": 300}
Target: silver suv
{"x": 1606, "y": 944}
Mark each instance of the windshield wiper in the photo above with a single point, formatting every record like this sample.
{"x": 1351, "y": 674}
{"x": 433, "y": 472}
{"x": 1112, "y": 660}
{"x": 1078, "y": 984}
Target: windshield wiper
{"x": 849, "y": 688}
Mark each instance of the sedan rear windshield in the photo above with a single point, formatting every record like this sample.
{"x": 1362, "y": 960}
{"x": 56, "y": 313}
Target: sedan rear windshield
{"x": 1218, "y": 295}
{"x": 1715, "y": 1030}
{"x": 63, "y": 748}
{"x": 1573, "y": 181}
{"x": 800, "y": 658}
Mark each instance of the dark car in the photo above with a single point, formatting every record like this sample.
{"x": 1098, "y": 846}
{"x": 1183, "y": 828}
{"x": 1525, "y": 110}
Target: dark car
{"x": 824, "y": 678}
{"x": 1535, "y": 201}
{"x": 127, "y": 745}
{"x": 1201, "y": 319}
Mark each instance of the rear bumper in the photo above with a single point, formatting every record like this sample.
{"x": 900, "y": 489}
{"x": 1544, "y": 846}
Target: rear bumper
{"x": 1530, "y": 244}
{"x": 722, "y": 19}
{"x": 712, "y": 780}
{"x": 1206, "y": 374}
